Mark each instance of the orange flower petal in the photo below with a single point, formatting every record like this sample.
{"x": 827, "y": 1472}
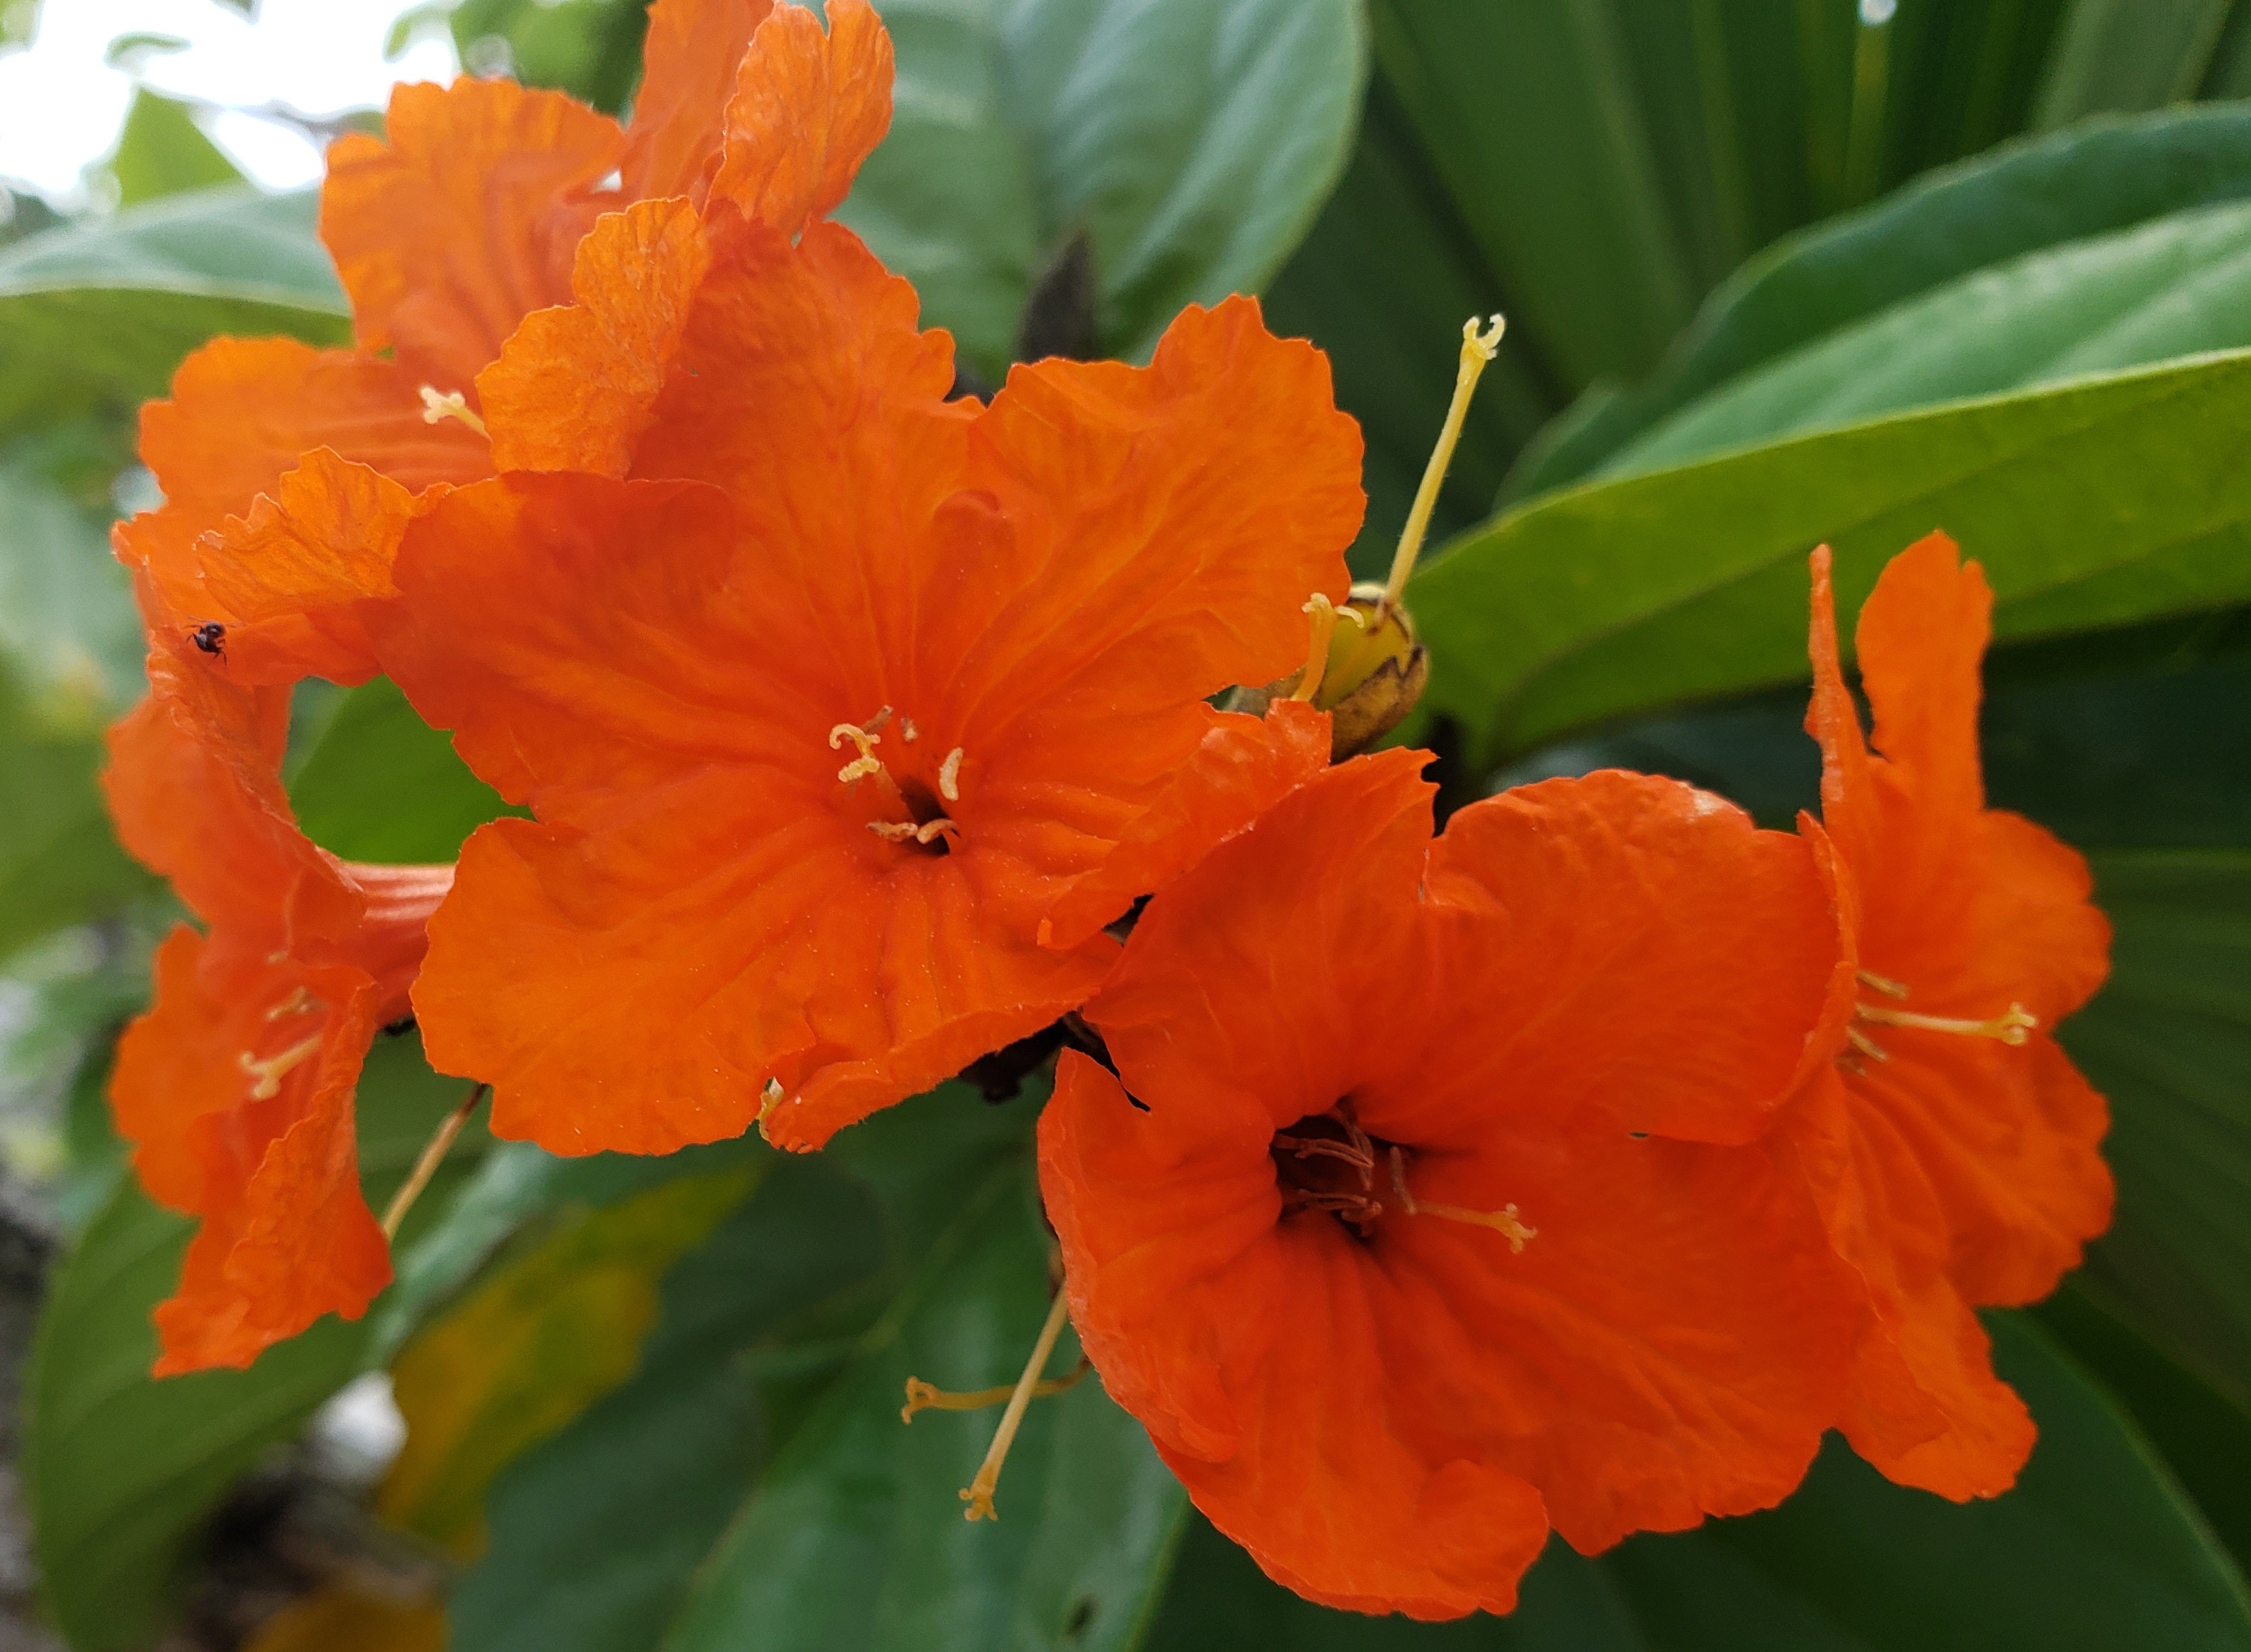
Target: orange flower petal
{"x": 462, "y": 218}
{"x": 243, "y": 413}
{"x": 689, "y": 59}
{"x": 236, "y": 1088}
{"x": 1666, "y": 961}
{"x": 808, "y": 108}
{"x": 194, "y": 789}
{"x": 1322, "y": 1390}
{"x": 1242, "y": 767}
{"x": 576, "y": 386}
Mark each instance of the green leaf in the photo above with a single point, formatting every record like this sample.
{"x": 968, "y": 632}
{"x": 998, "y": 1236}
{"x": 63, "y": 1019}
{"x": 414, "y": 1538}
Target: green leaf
{"x": 589, "y": 48}
{"x": 162, "y": 151}
{"x": 2094, "y": 180}
{"x": 2128, "y": 54}
{"x": 97, "y": 317}
{"x": 382, "y": 785}
{"x": 1194, "y": 142}
{"x": 596, "y": 1532}
{"x": 2091, "y": 504}
{"x": 2176, "y": 286}
{"x": 913, "y": 1245}
{"x": 67, "y": 624}
{"x": 120, "y": 1468}
{"x": 2169, "y": 1042}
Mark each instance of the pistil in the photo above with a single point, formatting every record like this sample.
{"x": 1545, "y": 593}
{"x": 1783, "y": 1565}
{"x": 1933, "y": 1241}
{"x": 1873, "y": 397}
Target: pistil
{"x": 1504, "y": 1221}
{"x": 437, "y": 407}
{"x": 977, "y": 1494}
{"x": 266, "y": 1074}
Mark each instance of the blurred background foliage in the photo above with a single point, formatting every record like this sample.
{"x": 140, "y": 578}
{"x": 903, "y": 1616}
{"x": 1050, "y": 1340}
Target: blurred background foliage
{"x": 1776, "y": 271}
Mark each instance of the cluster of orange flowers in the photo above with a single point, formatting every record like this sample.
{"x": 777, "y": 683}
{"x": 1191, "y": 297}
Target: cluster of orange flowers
{"x": 1576, "y": 1167}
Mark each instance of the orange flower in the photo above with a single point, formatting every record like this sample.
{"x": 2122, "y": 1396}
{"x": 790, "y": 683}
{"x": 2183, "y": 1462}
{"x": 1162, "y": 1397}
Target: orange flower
{"x": 815, "y": 750}
{"x": 289, "y": 472}
{"x": 1411, "y": 1229}
{"x": 1954, "y": 1145}
{"x": 236, "y": 1088}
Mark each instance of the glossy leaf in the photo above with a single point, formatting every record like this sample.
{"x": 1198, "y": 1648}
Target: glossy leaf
{"x": 98, "y": 316}
{"x": 540, "y": 1340}
{"x": 380, "y": 784}
{"x": 2094, "y": 180}
{"x": 120, "y": 1468}
{"x": 2090, "y": 504}
{"x": 1194, "y": 142}
{"x": 2176, "y": 286}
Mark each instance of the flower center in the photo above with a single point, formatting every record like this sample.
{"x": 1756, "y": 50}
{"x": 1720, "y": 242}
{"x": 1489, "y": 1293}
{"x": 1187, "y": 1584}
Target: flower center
{"x": 887, "y": 795}
{"x": 1327, "y": 1163}
{"x": 2012, "y": 1027}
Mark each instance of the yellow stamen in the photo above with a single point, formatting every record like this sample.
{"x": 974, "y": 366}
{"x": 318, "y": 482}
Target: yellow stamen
{"x": 867, "y": 763}
{"x": 923, "y": 1396}
{"x": 876, "y": 722}
{"x": 1321, "y": 621}
{"x": 1504, "y": 1221}
{"x": 1883, "y": 984}
{"x": 929, "y": 830}
{"x": 977, "y": 1494}
{"x": 268, "y": 1073}
{"x": 2011, "y": 1027}
{"x": 436, "y": 408}
{"x": 301, "y": 1001}
{"x": 1478, "y": 349}
{"x": 767, "y": 1098}
{"x": 427, "y": 1166}
{"x": 893, "y": 831}
{"x": 907, "y": 729}
{"x": 949, "y": 776}
{"x": 1866, "y": 1045}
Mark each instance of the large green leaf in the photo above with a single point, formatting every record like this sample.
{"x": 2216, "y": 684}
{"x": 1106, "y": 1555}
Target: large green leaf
{"x": 162, "y": 151}
{"x": 382, "y": 785}
{"x": 2094, "y": 180}
{"x": 1193, "y": 143}
{"x": 2128, "y": 54}
{"x": 2177, "y": 285}
{"x": 120, "y": 1468}
{"x": 97, "y": 317}
{"x": 67, "y": 624}
{"x": 913, "y": 1246}
{"x": 2090, "y": 504}
{"x": 2095, "y": 1550}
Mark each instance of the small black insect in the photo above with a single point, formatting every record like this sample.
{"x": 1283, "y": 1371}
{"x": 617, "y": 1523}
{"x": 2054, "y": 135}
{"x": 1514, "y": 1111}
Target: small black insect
{"x": 210, "y": 637}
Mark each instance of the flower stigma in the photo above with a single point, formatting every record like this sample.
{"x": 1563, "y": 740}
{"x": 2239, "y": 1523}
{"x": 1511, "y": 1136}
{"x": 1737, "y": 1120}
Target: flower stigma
{"x": 438, "y": 407}
{"x": 268, "y": 1073}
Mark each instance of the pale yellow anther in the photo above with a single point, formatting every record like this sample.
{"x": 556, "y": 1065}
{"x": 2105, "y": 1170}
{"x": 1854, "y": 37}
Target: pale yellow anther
{"x": 1866, "y": 1045}
{"x": 768, "y": 1098}
{"x": 929, "y": 831}
{"x": 893, "y": 831}
{"x": 949, "y": 776}
{"x": 867, "y": 763}
{"x": 438, "y": 407}
{"x": 266, "y": 1076}
{"x": 1883, "y": 984}
{"x": 907, "y": 729}
{"x": 1478, "y": 349}
{"x": 300, "y": 1001}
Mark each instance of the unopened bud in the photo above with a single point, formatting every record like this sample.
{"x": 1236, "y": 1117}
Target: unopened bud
{"x": 1376, "y": 673}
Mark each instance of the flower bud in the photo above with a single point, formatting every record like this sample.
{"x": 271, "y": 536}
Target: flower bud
{"x": 1376, "y": 673}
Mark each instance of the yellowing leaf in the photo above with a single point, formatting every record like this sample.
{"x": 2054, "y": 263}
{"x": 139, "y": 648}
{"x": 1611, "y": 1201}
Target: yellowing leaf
{"x": 550, "y": 1333}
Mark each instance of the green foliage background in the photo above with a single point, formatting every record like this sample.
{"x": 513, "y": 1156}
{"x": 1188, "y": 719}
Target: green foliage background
{"x": 1775, "y": 273}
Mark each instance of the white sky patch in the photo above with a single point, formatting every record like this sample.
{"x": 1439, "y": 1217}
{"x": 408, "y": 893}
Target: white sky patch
{"x": 61, "y": 104}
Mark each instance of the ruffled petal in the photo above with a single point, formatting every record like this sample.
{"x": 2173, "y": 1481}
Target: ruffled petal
{"x": 236, "y": 1088}
{"x": 1244, "y": 767}
{"x": 462, "y": 219}
{"x": 689, "y": 59}
{"x": 807, "y": 109}
{"x": 243, "y": 413}
{"x": 194, "y": 789}
{"x": 1662, "y": 959}
{"x": 1254, "y": 1356}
